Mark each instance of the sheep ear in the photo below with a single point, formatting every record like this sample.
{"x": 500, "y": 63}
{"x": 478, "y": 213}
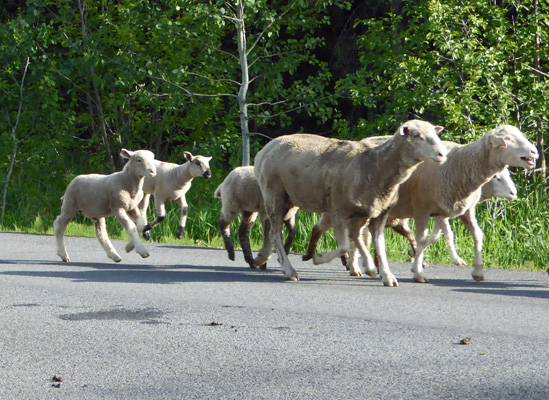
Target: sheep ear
{"x": 208, "y": 159}
{"x": 188, "y": 156}
{"x": 498, "y": 141}
{"x": 126, "y": 153}
{"x": 439, "y": 129}
{"x": 404, "y": 131}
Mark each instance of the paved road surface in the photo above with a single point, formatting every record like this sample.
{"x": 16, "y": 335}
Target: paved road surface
{"x": 187, "y": 323}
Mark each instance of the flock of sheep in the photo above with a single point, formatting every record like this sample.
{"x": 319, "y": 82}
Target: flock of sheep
{"x": 376, "y": 183}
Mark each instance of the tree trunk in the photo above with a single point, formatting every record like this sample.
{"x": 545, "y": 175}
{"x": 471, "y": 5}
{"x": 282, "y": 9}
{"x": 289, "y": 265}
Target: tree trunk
{"x": 242, "y": 93}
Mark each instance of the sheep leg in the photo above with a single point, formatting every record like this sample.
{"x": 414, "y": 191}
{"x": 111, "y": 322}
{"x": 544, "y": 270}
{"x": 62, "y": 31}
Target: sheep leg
{"x": 444, "y": 224}
{"x": 224, "y": 226}
{"x": 323, "y": 224}
{"x": 182, "y": 203}
{"x": 143, "y": 207}
{"x": 265, "y": 252}
{"x": 289, "y": 221}
{"x": 102, "y": 236}
{"x": 60, "y": 226}
{"x": 132, "y": 230}
{"x": 276, "y": 210}
{"x": 160, "y": 215}
{"x": 248, "y": 219}
{"x": 404, "y": 230}
{"x": 341, "y": 232}
{"x": 378, "y": 227}
{"x": 367, "y": 261}
{"x": 422, "y": 229}
{"x": 470, "y": 221}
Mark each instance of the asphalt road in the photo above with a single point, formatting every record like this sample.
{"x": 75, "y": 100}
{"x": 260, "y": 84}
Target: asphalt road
{"x": 187, "y": 323}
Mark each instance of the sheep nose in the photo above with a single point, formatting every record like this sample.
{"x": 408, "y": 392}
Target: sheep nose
{"x": 534, "y": 153}
{"x": 207, "y": 174}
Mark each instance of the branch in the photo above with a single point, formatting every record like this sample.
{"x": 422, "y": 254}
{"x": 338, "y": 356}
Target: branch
{"x": 14, "y": 137}
{"x": 269, "y": 26}
{"x": 537, "y": 71}
{"x": 192, "y": 94}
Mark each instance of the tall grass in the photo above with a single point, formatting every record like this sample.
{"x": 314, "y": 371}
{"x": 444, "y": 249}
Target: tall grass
{"x": 516, "y": 234}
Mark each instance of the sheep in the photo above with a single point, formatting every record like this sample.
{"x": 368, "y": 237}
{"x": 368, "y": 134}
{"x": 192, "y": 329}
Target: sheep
{"x": 454, "y": 188}
{"x": 99, "y": 196}
{"x": 240, "y": 193}
{"x": 171, "y": 182}
{"x": 501, "y": 185}
{"x": 352, "y": 183}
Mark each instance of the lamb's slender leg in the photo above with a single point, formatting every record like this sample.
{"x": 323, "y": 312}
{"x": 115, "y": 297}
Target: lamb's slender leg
{"x": 341, "y": 232}
{"x": 276, "y": 209}
{"x": 160, "y": 214}
{"x": 60, "y": 226}
{"x": 323, "y": 224}
{"x": 248, "y": 219}
{"x": 422, "y": 229}
{"x": 182, "y": 203}
{"x": 470, "y": 221}
{"x": 131, "y": 228}
{"x": 101, "y": 234}
{"x": 378, "y": 226}
{"x": 224, "y": 223}
{"x": 143, "y": 207}
{"x": 266, "y": 251}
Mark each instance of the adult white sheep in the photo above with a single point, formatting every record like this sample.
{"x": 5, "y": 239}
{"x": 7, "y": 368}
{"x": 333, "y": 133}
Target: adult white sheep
{"x": 99, "y": 196}
{"x": 453, "y": 188}
{"x": 240, "y": 193}
{"x": 350, "y": 181}
{"x": 172, "y": 182}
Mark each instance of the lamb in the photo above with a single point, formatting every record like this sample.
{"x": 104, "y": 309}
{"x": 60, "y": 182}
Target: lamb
{"x": 171, "y": 182}
{"x": 351, "y": 182}
{"x": 99, "y": 196}
{"x": 240, "y": 193}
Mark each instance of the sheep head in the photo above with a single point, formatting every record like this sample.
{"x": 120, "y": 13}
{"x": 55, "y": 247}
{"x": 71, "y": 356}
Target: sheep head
{"x": 501, "y": 185}
{"x": 199, "y": 165}
{"x": 512, "y": 147}
{"x": 142, "y": 162}
{"x": 424, "y": 143}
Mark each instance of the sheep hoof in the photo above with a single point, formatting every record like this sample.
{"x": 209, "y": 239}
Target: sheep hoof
{"x": 390, "y": 281}
{"x": 144, "y": 254}
{"x": 459, "y": 261}
{"x": 263, "y": 267}
{"x": 421, "y": 279}
{"x": 372, "y": 274}
{"x": 67, "y": 259}
{"x": 292, "y": 278}
{"x": 478, "y": 278}
{"x": 356, "y": 273}
{"x": 117, "y": 260}
{"x": 147, "y": 236}
{"x": 306, "y": 257}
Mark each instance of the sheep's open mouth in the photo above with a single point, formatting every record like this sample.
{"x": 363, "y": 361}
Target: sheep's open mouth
{"x": 528, "y": 161}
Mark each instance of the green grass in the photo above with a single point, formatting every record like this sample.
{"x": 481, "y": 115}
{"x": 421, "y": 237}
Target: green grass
{"x": 516, "y": 234}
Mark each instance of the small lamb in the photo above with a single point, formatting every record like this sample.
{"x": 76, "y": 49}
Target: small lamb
{"x": 350, "y": 181}
{"x": 171, "y": 182}
{"x": 99, "y": 196}
{"x": 240, "y": 193}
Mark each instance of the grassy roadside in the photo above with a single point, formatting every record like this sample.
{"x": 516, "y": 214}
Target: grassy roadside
{"x": 516, "y": 233}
